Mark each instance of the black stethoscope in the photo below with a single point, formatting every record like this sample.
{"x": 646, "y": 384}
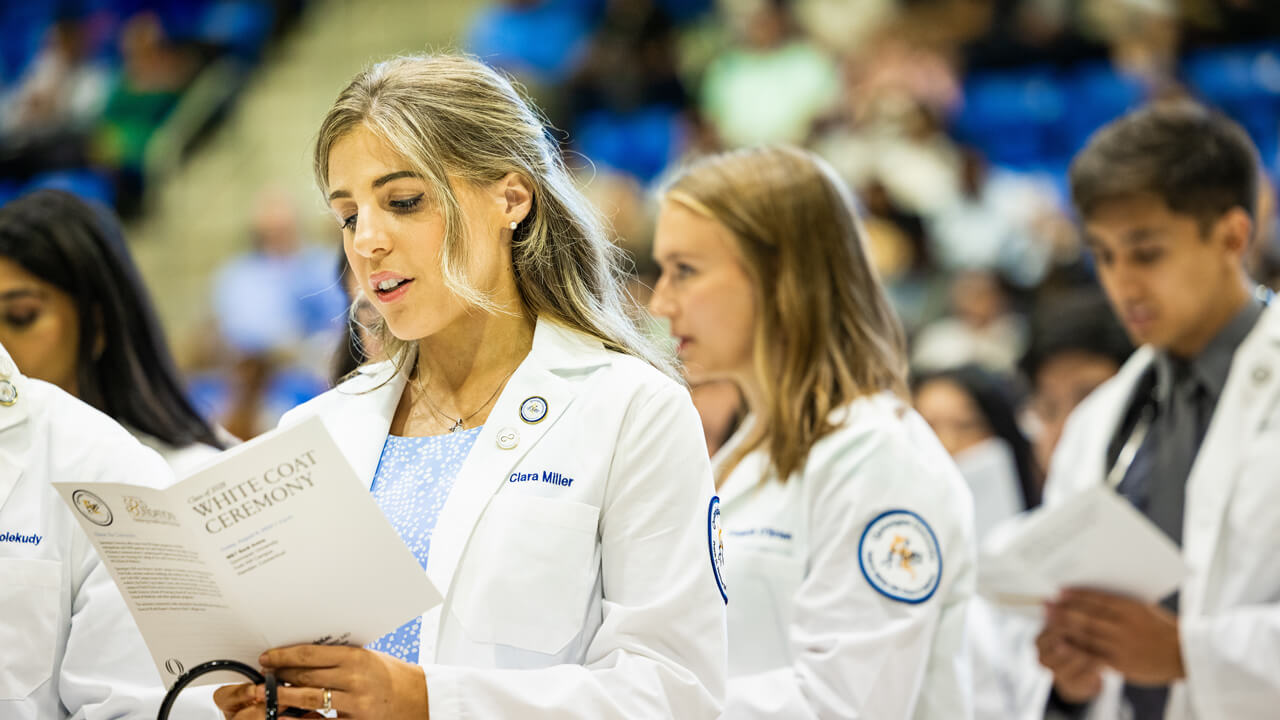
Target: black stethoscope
{"x": 1129, "y": 451}
{"x": 268, "y": 680}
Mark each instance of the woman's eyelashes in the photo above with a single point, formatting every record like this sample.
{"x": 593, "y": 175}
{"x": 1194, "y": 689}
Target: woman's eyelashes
{"x": 401, "y": 206}
{"x": 19, "y": 319}
{"x": 407, "y": 204}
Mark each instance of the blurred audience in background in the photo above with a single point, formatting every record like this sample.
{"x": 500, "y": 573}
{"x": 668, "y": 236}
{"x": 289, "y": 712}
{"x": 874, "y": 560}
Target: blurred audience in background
{"x": 279, "y": 310}
{"x": 974, "y": 414}
{"x": 953, "y": 120}
{"x": 1076, "y": 345}
{"x": 91, "y": 90}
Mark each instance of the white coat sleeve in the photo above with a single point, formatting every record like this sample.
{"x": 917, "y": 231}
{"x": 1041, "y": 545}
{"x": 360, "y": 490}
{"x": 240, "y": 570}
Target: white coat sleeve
{"x": 856, "y": 652}
{"x": 106, "y": 671}
{"x": 661, "y": 650}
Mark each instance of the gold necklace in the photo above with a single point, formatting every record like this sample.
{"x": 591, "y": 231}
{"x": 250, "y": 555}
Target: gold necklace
{"x": 458, "y": 423}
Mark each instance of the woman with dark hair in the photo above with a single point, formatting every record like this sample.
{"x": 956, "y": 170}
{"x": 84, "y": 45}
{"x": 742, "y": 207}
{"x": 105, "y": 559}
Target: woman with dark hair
{"x": 972, "y": 410}
{"x": 74, "y": 312}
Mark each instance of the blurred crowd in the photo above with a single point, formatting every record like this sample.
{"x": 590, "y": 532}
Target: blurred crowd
{"x": 953, "y": 120}
{"x": 99, "y": 96}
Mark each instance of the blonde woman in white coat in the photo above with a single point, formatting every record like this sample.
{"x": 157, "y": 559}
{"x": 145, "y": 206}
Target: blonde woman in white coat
{"x": 567, "y": 484}
{"x": 849, "y": 530}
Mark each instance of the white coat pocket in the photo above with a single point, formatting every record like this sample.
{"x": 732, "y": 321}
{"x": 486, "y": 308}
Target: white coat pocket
{"x": 528, "y": 573}
{"x": 28, "y": 623}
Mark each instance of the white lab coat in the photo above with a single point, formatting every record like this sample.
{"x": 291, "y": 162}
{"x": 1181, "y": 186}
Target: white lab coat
{"x": 68, "y": 646}
{"x": 1229, "y": 606}
{"x": 588, "y": 599}
{"x": 810, "y": 637}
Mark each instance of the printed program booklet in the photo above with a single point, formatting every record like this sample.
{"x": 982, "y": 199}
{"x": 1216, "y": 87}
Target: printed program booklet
{"x": 1093, "y": 539}
{"x": 274, "y": 543}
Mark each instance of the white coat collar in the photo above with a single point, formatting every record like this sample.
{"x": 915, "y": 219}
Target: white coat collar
{"x": 367, "y": 403}
{"x": 14, "y": 438}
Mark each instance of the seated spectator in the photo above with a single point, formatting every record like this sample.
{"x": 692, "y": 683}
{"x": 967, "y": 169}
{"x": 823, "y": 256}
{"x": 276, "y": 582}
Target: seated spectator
{"x": 1076, "y": 345}
{"x": 155, "y": 72}
{"x": 972, "y": 411}
{"x": 981, "y": 329}
{"x": 626, "y": 99}
{"x": 773, "y": 86}
{"x": 283, "y": 291}
{"x": 989, "y": 224}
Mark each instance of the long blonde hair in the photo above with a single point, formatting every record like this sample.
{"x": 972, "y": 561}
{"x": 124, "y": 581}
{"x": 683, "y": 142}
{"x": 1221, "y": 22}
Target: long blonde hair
{"x": 449, "y": 115}
{"x": 826, "y": 332}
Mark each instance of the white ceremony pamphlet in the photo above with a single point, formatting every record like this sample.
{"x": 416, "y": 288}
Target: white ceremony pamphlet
{"x": 276, "y": 542}
{"x": 1095, "y": 539}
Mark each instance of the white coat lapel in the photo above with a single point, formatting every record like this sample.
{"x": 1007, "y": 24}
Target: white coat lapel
{"x": 494, "y": 457}
{"x": 14, "y": 445}
{"x": 365, "y": 406}
{"x": 1251, "y": 393}
{"x": 15, "y": 440}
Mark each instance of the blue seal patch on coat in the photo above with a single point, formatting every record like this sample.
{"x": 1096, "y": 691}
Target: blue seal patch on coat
{"x": 533, "y": 409}
{"x": 715, "y": 542}
{"x": 900, "y": 556}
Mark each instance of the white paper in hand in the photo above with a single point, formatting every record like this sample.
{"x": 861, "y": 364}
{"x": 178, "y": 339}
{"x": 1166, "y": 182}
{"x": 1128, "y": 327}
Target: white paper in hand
{"x": 1094, "y": 539}
{"x": 276, "y": 542}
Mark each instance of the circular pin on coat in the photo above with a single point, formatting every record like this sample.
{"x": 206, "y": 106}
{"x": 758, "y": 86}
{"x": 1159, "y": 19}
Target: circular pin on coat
{"x": 508, "y": 438}
{"x": 8, "y": 393}
{"x": 1261, "y": 374}
{"x": 533, "y": 409}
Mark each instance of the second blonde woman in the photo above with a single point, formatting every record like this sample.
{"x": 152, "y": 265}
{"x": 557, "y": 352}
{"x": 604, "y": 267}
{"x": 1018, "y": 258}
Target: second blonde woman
{"x": 849, "y": 529}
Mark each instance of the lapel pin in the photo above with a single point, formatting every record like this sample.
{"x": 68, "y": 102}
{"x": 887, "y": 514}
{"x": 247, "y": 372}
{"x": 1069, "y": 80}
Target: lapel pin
{"x": 533, "y": 409}
{"x": 1261, "y": 374}
{"x": 8, "y": 393}
{"x": 508, "y": 438}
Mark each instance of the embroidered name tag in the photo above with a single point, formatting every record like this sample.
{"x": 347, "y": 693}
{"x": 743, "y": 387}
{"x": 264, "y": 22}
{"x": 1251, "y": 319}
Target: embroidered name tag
{"x": 28, "y": 539}
{"x": 546, "y": 476}
{"x": 766, "y": 532}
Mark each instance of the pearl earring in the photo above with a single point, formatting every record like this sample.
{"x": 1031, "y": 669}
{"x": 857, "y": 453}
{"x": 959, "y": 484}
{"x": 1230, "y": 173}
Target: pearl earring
{"x": 514, "y": 224}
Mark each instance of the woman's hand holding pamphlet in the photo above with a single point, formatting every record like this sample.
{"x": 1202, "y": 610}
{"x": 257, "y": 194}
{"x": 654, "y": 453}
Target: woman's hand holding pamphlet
{"x": 275, "y": 543}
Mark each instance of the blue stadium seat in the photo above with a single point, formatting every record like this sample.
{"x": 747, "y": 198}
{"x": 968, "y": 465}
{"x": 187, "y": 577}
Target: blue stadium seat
{"x": 25, "y": 25}
{"x": 543, "y": 39}
{"x": 240, "y": 26}
{"x": 639, "y": 143}
{"x": 1098, "y": 95}
{"x": 1011, "y": 115}
{"x": 88, "y": 184}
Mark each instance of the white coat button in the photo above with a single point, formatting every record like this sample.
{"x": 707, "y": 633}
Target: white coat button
{"x": 508, "y": 438}
{"x": 1261, "y": 374}
{"x": 8, "y": 393}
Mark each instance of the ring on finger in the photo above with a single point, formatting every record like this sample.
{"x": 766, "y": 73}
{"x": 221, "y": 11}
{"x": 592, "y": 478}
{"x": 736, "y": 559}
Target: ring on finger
{"x": 328, "y": 700}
